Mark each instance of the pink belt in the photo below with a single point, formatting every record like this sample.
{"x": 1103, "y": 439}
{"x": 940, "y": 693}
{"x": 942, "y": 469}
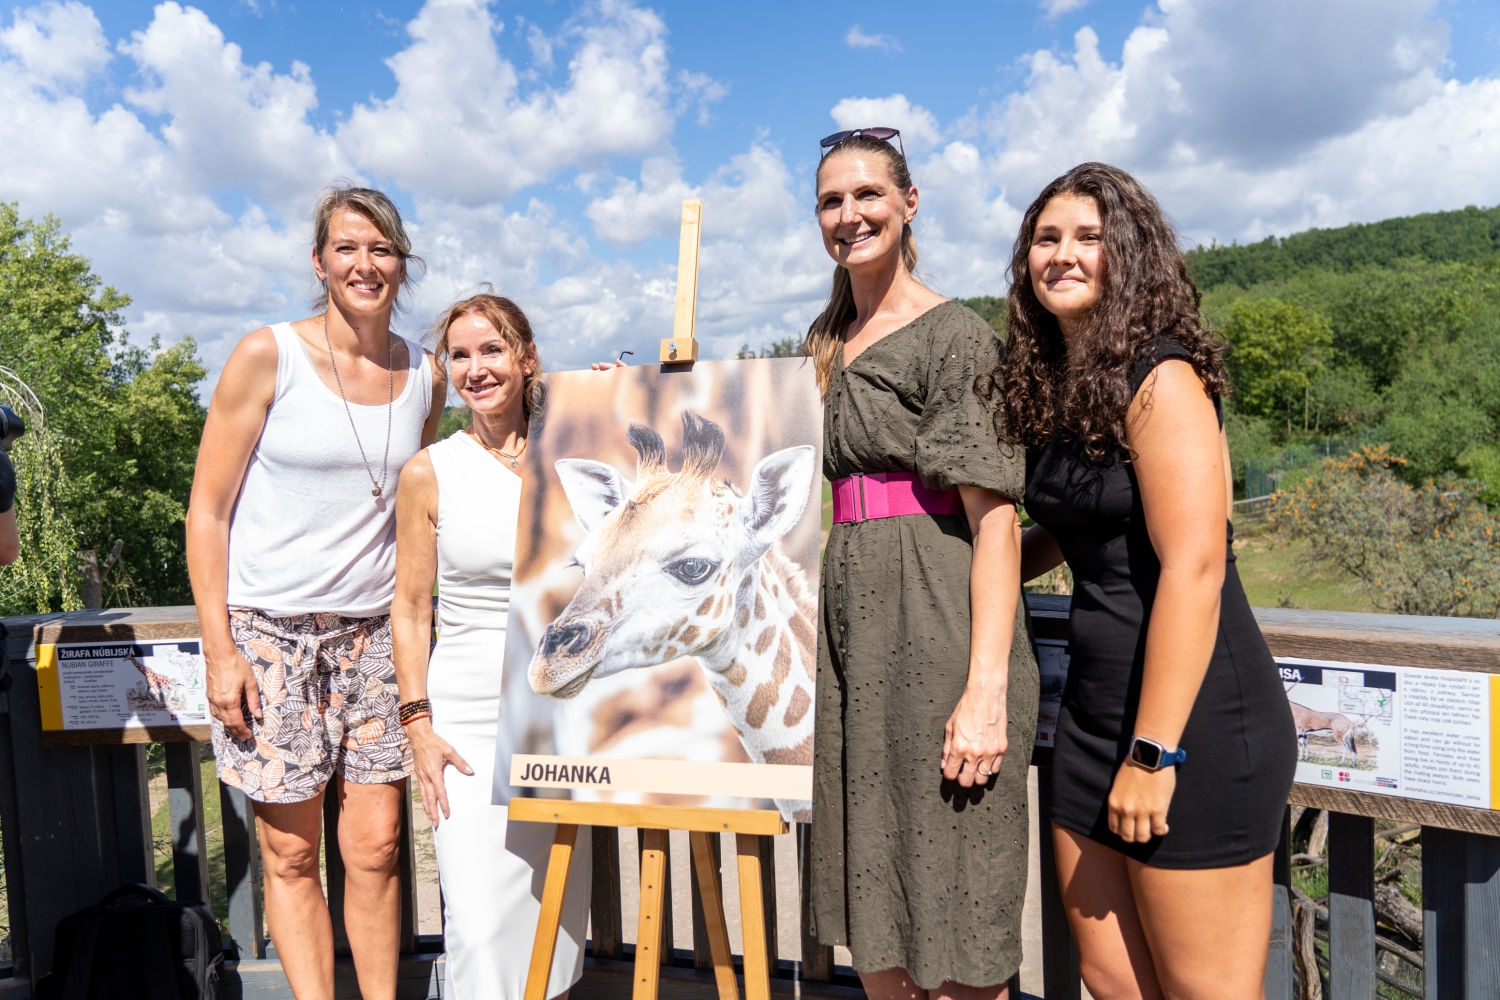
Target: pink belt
{"x": 866, "y": 496}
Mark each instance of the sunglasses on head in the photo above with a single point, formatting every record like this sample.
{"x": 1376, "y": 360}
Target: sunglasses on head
{"x": 882, "y": 133}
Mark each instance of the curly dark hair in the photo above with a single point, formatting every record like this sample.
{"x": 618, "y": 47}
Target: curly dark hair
{"x": 1145, "y": 294}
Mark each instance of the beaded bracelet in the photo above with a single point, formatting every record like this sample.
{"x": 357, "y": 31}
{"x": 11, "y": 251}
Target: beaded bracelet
{"x": 411, "y": 711}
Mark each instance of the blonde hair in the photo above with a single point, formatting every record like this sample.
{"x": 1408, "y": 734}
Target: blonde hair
{"x": 383, "y": 215}
{"x": 826, "y": 335}
{"x": 514, "y": 328}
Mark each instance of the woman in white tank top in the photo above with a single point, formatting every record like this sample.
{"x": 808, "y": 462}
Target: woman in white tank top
{"x": 291, "y": 550}
{"x": 456, "y": 513}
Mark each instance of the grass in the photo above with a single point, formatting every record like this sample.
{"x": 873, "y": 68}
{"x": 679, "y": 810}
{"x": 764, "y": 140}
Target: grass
{"x": 1279, "y": 574}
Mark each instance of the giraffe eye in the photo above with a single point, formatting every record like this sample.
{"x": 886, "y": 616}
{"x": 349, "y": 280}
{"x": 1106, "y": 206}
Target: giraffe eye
{"x": 692, "y": 571}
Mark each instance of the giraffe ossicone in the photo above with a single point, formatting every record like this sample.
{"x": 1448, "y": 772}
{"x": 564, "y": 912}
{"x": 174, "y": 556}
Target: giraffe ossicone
{"x": 680, "y": 564}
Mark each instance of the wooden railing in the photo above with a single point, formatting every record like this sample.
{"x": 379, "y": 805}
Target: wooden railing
{"x": 75, "y": 822}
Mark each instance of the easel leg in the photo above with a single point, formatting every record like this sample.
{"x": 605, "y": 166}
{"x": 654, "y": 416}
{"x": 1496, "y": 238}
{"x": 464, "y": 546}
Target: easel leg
{"x": 554, "y": 891}
{"x": 753, "y": 919}
{"x": 648, "y": 931}
{"x": 713, "y": 914}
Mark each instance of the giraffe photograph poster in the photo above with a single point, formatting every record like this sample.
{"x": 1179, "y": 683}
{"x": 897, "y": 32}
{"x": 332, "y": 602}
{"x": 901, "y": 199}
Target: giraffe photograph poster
{"x": 662, "y": 638}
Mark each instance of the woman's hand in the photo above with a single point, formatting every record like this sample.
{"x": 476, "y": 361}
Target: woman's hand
{"x": 1139, "y": 800}
{"x": 231, "y": 685}
{"x": 974, "y": 740}
{"x": 432, "y": 754}
{"x": 604, "y": 366}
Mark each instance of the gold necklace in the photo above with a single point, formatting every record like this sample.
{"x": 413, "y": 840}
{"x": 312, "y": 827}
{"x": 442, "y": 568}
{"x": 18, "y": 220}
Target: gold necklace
{"x": 514, "y": 460}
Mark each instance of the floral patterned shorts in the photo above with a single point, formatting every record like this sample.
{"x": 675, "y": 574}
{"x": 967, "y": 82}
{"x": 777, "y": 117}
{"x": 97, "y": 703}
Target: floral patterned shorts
{"x": 328, "y": 702}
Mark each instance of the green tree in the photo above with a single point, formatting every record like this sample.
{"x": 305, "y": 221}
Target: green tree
{"x": 1279, "y": 349}
{"x": 1445, "y": 401}
{"x": 788, "y": 347}
{"x": 990, "y": 308}
{"x": 455, "y": 419}
{"x": 123, "y": 422}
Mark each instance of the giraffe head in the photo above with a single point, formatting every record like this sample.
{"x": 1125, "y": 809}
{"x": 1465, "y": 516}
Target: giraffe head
{"x": 668, "y": 560}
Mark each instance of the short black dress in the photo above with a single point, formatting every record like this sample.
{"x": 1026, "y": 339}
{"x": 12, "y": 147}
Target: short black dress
{"x": 1241, "y": 746}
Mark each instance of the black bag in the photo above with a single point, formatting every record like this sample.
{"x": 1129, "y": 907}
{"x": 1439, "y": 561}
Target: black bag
{"x": 129, "y": 948}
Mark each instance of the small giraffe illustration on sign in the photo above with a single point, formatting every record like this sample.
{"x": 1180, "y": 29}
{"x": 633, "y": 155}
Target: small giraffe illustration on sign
{"x": 683, "y": 564}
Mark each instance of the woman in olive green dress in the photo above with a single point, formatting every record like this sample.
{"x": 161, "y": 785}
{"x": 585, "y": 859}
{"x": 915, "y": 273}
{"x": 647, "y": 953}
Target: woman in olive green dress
{"x": 927, "y": 685}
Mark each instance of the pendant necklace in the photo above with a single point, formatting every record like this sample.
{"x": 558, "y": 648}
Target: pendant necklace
{"x": 377, "y": 488}
{"x": 513, "y": 460}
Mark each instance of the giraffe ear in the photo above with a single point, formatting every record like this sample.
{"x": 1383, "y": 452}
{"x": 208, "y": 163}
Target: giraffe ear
{"x": 779, "y": 489}
{"x": 594, "y": 489}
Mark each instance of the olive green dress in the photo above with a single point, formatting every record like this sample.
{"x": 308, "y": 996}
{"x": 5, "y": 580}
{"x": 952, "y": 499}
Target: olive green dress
{"x": 910, "y": 870}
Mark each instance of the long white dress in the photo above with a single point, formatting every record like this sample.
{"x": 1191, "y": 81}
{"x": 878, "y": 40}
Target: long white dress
{"x": 491, "y": 872}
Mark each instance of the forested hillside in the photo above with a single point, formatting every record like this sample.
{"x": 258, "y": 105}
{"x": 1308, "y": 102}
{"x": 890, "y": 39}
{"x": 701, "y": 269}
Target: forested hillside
{"x": 1388, "y": 333}
{"x": 1469, "y": 234}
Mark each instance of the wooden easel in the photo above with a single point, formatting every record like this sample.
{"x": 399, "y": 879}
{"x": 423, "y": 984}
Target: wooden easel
{"x": 681, "y": 347}
{"x": 655, "y": 821}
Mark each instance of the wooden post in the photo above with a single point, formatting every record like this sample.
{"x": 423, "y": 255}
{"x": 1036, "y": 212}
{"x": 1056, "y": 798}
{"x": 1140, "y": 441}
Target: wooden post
{"x": 406, "y": 868}
{"x": 715, "y": 931}
{"x": 1351, "y": 907}
{"x": 1442, "y": 914}
{"x": 554, "y": 892}
{"x": 604, "y": 913}
{"x": 1060, "y": 979}
{"x": 1280, "y": 983}
{"x": 648, "y": 930}
{"x": 241, "y": 852}
{"x": 817, "y": 958}
{"x": 752, "y": 919}
{"x": 681, "y": 347}
{"x": 666, "y": 892}
{"x": 703, "y": 953}
{"x": 185, "y": 806}
{"x": 767, "y": 847}
{"x": 132, "y": 808}
{"x": 1481, "y": 916}
{"x": 1460, "y": 915}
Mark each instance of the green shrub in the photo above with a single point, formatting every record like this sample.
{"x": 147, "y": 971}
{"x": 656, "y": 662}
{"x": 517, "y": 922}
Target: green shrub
{"x": 1432, "y": 549}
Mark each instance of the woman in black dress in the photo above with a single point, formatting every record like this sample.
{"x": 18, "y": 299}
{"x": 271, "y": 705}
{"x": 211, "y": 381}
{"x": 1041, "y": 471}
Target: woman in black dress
{"x": 1175, "y": 748}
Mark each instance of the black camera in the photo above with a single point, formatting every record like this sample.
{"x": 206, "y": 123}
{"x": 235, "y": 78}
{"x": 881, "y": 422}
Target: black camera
{"x": 11, "y": 427}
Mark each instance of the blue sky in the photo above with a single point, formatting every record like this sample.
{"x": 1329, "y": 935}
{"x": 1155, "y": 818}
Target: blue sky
{"x": 545, "y": 146}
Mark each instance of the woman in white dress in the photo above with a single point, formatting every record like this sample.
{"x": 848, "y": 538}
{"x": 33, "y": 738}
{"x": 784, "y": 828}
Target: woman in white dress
{"x": 456, "y": 510}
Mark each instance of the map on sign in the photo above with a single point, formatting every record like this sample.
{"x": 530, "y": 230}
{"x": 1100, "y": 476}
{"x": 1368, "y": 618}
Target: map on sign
{"x": 1366, "y": 701}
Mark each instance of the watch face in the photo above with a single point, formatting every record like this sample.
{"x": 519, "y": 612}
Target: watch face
{"x": 1146, "y": 754}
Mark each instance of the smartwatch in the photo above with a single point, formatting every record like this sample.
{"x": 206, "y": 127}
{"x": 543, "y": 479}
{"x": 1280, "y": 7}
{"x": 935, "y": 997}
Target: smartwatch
{"x": 1153, "y": 756}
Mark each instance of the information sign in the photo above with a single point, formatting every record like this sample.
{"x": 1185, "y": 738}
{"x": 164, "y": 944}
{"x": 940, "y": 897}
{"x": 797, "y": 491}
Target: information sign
{"x": 1413, "y": 732}
{"x": 122, "y": 685}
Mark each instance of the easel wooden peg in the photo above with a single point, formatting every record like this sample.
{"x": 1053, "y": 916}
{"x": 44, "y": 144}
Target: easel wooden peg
{"x": 681, "y": 347}
{"x": 655, "y": 821}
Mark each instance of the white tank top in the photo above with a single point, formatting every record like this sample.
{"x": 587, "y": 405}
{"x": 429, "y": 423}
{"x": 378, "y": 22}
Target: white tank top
{"x": 306, "y": 534}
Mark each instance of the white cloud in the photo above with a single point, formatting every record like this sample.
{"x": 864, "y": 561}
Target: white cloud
{"x": 231, "y": 124}
{"x": 920, "y": 130}
{"x": 1057, "y": 8}
{"x": 455, "y": 126}
{"x": 60, "y": 44}
{"x": 857, "y": 39}
{"x": 192, "y": 193}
